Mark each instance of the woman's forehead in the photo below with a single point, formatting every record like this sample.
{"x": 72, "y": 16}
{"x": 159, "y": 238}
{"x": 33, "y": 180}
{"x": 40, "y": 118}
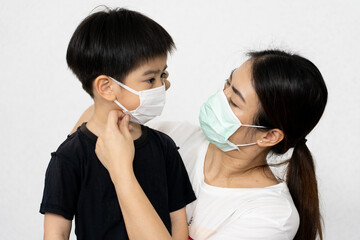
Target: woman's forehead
{"x": 241, "y": 76}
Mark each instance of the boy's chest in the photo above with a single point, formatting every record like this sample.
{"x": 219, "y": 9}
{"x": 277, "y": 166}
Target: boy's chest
{"x": 97, "y": 188}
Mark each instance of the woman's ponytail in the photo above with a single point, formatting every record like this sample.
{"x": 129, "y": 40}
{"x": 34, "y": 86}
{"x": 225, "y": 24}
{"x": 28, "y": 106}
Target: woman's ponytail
{"x": 301, "y": 181}
{"x": 293, "y": 96}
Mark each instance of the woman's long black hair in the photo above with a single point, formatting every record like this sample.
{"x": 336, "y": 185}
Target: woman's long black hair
{"x": 293, "y": 96}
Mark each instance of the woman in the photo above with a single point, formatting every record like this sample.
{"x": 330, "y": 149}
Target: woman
{"x": 268, "y": 105}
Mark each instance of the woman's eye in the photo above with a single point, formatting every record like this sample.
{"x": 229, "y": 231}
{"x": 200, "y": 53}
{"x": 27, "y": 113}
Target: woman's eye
{"x": 232, "y": 103}
{"x": 151, "y": 81}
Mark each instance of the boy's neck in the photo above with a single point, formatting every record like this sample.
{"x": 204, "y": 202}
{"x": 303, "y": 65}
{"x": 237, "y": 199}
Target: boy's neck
{"x": 97, "y": 122}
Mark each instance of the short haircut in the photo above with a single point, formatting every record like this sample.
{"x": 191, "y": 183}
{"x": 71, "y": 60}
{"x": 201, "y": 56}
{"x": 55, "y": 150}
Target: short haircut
{"x": 114, "y": 42}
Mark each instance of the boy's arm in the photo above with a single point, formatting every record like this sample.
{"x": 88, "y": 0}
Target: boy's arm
{"x": 56, "y": 227}
{"x": 179, "y": 227}
{"x": 84, "y": 117}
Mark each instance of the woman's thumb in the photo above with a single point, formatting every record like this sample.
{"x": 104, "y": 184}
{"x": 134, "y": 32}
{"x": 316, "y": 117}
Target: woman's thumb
{"x": 113, "y": 119}
{"x": 124, "y": 126}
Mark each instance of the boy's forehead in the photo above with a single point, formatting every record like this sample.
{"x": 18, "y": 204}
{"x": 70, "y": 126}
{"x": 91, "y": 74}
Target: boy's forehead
{"x": 152, "y": 66}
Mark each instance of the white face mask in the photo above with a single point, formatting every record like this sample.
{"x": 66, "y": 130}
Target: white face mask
{"x": 152, "y": 102}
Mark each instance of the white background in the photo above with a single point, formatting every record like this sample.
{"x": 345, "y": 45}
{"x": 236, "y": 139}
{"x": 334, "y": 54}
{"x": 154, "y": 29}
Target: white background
{"x": 40, "y": 99}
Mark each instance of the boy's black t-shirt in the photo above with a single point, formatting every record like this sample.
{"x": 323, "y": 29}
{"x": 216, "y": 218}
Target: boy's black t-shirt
{"x": 76, "y": 183}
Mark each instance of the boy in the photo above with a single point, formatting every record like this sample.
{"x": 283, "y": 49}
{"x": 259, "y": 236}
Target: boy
{"x": 120, "y": 58}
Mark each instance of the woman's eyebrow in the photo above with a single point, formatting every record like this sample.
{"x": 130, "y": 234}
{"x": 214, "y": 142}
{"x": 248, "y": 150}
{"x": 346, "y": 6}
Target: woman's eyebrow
{"x": 237, "y": 92}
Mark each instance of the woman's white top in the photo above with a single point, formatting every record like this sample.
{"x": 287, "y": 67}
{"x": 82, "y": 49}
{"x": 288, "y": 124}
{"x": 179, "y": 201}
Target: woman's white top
{"x": 230, "y": 213}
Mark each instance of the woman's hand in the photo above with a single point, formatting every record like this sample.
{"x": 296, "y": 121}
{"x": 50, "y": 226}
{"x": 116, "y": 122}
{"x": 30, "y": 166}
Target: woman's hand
{"x": 115, "y": 146}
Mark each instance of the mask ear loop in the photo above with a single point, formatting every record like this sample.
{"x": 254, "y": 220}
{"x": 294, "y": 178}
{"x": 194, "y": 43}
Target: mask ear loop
{"x": 126, "y": 87}
{"x": 120, "y": 105}
{"x": 254, "y": 126}
{"x": 240, "y": 145}
{"x": 246, "y": 144}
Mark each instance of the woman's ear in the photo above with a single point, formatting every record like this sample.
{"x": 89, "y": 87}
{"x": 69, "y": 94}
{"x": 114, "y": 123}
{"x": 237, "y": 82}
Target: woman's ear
{"x": 271, "y": 138}
{"x": 104, "y": 87}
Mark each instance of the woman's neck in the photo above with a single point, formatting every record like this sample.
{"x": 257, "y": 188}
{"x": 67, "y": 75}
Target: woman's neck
{"x": 237, "y": 169}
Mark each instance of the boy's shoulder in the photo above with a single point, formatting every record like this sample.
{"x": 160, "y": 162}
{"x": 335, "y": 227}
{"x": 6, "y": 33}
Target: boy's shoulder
{"x": 179, "y": 132}
{"x": 75, "y": 145}
{"x": 162, "y": 137}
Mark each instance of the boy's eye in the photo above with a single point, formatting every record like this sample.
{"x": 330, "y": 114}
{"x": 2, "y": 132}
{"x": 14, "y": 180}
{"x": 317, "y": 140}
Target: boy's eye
{"x": 164, "y": 75}
{"x": 151, "y": 81}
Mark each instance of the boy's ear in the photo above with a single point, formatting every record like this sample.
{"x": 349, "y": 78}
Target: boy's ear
{"x": 271, "y": 138}
{"x": 104, "y": 87}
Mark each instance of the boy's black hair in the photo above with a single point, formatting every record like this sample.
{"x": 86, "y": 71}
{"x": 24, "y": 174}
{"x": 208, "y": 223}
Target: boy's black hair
{"x": 114, "y": 42}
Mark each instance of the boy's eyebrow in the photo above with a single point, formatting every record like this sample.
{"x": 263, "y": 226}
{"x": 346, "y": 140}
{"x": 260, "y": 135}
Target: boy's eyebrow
{"x": 237, "y": 92}
{"x": 154, "y": 71}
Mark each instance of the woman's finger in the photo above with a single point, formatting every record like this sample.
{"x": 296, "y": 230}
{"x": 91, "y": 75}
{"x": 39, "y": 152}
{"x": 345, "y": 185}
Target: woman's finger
{"x": 124, "y": 126}
{"x": 113, "y": 118}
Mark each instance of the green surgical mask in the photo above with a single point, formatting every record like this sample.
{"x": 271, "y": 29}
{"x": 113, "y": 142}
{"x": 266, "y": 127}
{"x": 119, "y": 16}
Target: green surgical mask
{"x": 218, "y": 122}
